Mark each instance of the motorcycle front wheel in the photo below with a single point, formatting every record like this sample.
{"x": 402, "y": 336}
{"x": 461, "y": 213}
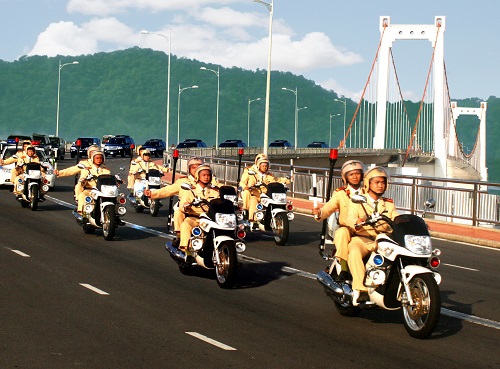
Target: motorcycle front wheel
{"x": 421, "y": 319}
{"x": 154, "y": 207}
{"x": 34, "y": 194}
{"x": 108, "y": 224}
{"x": 281, "y": 229}
{"x": 225, "y": 270}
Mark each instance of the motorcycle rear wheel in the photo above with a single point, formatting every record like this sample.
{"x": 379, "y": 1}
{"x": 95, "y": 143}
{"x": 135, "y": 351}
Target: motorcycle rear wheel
{"x": 281, "y": 229}
{"x": 34, "y": 194}
{"x": 225, "y": 271}
{"x": 154, "y": 207}
{"x": 421, "y": 320}
{"x": 108, "y": 224}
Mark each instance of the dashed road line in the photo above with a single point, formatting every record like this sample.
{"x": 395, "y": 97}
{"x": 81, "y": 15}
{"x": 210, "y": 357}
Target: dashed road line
{"x": 211, "y": 341}
{"x": 95, "y": 289}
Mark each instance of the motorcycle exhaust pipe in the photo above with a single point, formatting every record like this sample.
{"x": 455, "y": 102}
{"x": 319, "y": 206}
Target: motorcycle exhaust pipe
{"x": 132, "y": 200}
{"x": 175, "y": 251}
{"x": 329, "y": 284}
{"x": 79, "y": 217}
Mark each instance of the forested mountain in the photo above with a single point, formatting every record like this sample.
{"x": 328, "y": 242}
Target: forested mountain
{"x": 125, "y": 92}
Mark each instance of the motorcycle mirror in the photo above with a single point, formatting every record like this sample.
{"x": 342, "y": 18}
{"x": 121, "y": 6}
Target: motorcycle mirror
{"x": 81, "y": 166}
{"x": 430, "y": 203}
{"x": 251, "y": 172}
{"x": 358, "y": 199}
{"x": 186, "y": 186}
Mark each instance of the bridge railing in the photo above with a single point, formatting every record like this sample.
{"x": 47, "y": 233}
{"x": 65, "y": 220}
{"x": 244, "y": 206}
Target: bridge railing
{"x": 461, "y": 201}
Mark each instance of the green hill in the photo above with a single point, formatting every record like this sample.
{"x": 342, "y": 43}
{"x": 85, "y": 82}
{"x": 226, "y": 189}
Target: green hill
{"x": 126, "y": 92}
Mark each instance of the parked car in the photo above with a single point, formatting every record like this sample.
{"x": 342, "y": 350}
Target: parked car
{"x": 59, "y": 144}
{"x": 85, "y": 142}
{"x": 120, "y": 145}
{"x": 6, "y": 170}
{"x": 190, "y": 143}
{"x": 233, "y": 143}
{"x": 318, "y": 144}
{"x": 42, "y": 141}
{"x": 156, "y": 146}
{"x": 280, "y": 143}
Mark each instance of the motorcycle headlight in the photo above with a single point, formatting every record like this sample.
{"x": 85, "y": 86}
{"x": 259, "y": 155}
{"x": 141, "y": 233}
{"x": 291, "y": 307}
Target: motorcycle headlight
{"x": 109, "y": 191}
{"x": 87, "y": 209}
{"x": 154, "y": 181}
{"x": 226, "y": 220}
{"x": 258, "y": 215}
{"x": 34, "y": 173}
{"x": 121, "y": 210}
{"x": 420, "y": 245}
{"x": 231, "y": 198}
{"x": 279, "y": 197}
{"x": 196, "y": 244}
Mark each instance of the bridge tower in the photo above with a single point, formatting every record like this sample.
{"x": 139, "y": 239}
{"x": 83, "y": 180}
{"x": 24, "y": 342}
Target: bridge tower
{"x": 435, "y": 34}
{"x": 480, "y": 158}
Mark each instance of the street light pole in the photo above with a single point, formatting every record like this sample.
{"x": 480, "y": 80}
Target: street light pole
{"x": 269, "y": 7}
{"x": 343, "y": 102}
{"x": 61, "y": 66}
{"x": 330, "y": 136}
{"x": 179, "y": 109}
{"x": 296, "y": 113}
{"x": 169, "y": 38}
{"x": 248, "y": 130}
{"x": 217, "y": 73}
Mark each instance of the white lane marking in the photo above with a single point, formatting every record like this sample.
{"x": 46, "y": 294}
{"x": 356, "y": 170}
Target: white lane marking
{"x": 466, "y": 317}
{"x": 20, "y": 253}
{"x": 95, "y": 289}
{"x": 471, "y": 318}
{"x": 461, "y": 267}
{"x": 211, "y": 341}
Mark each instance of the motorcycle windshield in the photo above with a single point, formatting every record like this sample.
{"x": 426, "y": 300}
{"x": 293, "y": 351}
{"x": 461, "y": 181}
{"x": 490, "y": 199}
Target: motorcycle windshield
{"x": 153, "y": 173}
{"x": 275, "y": 187}
{"x": 106, "y": 180}
{"x": 220, "y": 206}
{"x": 408, "y": 224}
{"x": 33, "y": 166}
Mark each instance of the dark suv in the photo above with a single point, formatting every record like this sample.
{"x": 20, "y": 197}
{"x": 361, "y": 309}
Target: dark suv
{"x": 120, "y": 145}
{"x": 191, "y": 142}
{"x": 59, "y": 144}
{"x": 232, "y": 143}
{"x": 85, "y": 142}
{"x": 156, "y": 146}
{"x": 42, "y": 141}
{"x": 318, "y": 144}
{"x": 280, "y": 143}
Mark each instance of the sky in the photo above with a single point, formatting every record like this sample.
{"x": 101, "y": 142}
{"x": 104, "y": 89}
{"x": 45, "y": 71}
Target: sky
{"x": 330, "y": 42}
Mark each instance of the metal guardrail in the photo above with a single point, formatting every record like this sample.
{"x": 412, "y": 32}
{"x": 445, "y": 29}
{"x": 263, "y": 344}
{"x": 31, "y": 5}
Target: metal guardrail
{"x": 458, "y": 201}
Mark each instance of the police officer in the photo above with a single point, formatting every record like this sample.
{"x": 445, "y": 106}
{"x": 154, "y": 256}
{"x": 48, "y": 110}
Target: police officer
{"x": 352, "y": 176}
{"x": 202, "y": 189}
{"x": 139, "y": 169}
{"x": 250, "y": 194}
{"x": 131, "y": 174}
{"x": 21, "y": 161}
{"x": 363, "y": 242}
{"x": 20, "y": 154}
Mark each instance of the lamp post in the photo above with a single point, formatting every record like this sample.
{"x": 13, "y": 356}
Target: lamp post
{"x": 169, "y": 38}
{"x": 179, "y": 108}
{"x": 217, "y": 73}
{"x": 296, "y": 113}
{"x": 269, "y": 7}
{"x": 248, "y": 131}
{"x": 343, "y": 102}
{"x": 61, "y": 66}
{"x": 330, "y": 135}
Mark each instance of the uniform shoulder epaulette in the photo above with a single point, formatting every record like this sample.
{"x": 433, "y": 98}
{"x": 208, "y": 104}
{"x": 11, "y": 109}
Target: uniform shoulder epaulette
{"x": 386, "y": 199}
{"x": 340, "y": 188}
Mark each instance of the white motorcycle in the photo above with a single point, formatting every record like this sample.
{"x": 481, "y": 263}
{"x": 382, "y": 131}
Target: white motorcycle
{"x": 274, "y": 212}
{"x": 31, "y": 185}
{"x": 103, "y": 207}
{"x": 400, "y": 274}
{"x": 215, "y": 243}
{"x": 139, "y": 200}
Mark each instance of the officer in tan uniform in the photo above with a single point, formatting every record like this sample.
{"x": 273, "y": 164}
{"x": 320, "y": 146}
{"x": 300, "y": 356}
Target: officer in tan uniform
{"x": 20, "y": 154}
{"x": 363, "y": 242}
{"x": 250, "y": 194}
{"x": 352, "y": 176}
{"x": 76, "y": 169}
{"x": 131, "y": 176}
{"x": 202, "y": 189}
{"x": 139, "y": 168}
{"x": 28, "y": 156}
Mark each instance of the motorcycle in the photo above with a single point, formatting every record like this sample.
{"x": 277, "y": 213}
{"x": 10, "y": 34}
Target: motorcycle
{"x": 400, "y": 274}
{"x": 103, "y": 207}
{"x": 139, "y": 200}
{"x": 214, "y": 243}
{"x": 31, "y": 185}
{"x": 274, "y": 212}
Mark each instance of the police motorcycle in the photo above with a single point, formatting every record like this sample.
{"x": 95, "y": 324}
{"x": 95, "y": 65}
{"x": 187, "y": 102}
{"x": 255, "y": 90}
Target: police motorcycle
{"x": 215, "y": 243}
{"x": 103, "y": 207}
{"x": 140, "y": 201}
{"x": 400, "y": 274}
{"x": 274, "y": 212}
{"x": 31, "y": 185}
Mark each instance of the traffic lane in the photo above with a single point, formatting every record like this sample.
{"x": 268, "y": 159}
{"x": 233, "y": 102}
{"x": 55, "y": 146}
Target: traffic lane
{"x": 280, "y": 307}
{"x": 470, "y": 279}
